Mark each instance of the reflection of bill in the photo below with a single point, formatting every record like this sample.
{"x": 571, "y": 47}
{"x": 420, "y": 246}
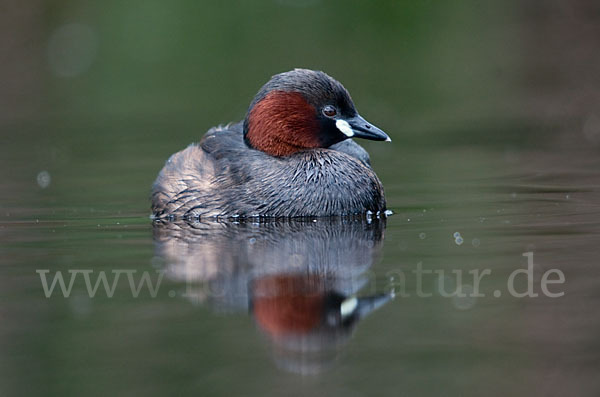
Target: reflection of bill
{"x": 298, "y": 279}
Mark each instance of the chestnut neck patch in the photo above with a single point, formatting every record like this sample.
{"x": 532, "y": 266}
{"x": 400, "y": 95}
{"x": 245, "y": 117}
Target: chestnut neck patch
{"x": 283, "y": 123}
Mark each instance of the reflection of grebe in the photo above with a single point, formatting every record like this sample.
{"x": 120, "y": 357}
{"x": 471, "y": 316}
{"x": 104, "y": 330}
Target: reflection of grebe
{"x": 290, "y": 157}
{"x": 285, "y": 305}
{"x": 305, "y": 321}
{"x": 299, "y": 279}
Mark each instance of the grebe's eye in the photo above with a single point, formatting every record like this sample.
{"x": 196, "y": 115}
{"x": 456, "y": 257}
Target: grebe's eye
{"x": 329, "y": 111}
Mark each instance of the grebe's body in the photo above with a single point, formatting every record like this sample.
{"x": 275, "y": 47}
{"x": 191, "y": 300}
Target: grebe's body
{"x": 289, "y": 158}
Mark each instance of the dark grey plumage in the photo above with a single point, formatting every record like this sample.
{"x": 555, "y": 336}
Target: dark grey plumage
{"x": 222, "y": 177}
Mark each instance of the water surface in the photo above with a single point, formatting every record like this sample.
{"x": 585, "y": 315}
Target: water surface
{"x": 222, "y": 311}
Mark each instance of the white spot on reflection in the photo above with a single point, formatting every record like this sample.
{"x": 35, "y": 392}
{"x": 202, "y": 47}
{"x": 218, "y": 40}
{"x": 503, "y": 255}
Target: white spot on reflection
{"x": 348, "y": 306}
{"x": 71, "y": 49}
{"x": 44, "y": 179}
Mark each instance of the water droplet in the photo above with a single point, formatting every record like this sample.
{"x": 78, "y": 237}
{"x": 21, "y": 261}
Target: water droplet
{"x": 459, "y": 240}
{"x": 422, "y": 236}
{"x": 44, "y": 179}
{"x": 71, "y": 49}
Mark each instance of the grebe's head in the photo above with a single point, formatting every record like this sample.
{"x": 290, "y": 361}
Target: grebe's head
{"x": 304, "y": 109}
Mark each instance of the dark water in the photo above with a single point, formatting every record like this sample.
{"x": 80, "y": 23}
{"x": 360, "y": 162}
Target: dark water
{"x": 494, "y": 163}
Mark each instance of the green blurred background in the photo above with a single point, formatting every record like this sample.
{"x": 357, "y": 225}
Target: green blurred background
{"x": 88, "y": 82}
